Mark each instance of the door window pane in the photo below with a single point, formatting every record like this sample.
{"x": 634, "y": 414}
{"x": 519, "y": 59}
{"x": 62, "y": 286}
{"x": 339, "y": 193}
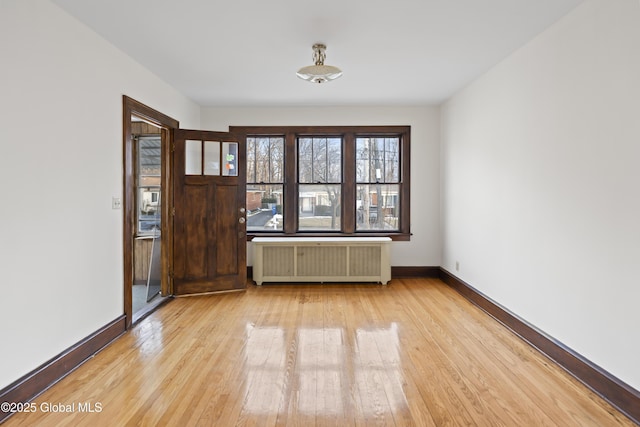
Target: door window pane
{"x": 193, "y": 157}
{"x": 319, "y": 207}
{"x": 230, "y": 158}
{"x": 212, "y": 158}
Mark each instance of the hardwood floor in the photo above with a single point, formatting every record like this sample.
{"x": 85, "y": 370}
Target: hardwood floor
{"x": 414, "y": 353}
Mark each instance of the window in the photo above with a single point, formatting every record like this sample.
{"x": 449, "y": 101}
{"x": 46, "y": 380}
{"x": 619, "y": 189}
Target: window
{"x": 320, "y": 183}
{"x": 328, "y": 181}
{"x": 265, "y": 178}
{"x": 378, "y": 183}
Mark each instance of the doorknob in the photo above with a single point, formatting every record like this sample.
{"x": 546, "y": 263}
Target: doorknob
{"x": 241, "y": 220}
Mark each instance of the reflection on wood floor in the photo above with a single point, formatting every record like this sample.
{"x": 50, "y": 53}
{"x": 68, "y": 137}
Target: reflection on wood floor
{"x": 413, "y": 353}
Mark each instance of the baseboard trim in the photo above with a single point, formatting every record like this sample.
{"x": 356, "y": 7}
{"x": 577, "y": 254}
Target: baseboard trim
{"x": 622, "y": 396}
{"x": 49, "y": 373}
{"x": 406, "y": 272}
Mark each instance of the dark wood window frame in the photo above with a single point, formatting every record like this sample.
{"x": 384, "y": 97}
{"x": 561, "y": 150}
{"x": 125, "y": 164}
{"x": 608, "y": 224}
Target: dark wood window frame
{"x": 348, "y": 210}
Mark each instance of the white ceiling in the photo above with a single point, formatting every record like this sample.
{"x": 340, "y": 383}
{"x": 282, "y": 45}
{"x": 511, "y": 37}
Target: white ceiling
{"x": 246, "y": 52}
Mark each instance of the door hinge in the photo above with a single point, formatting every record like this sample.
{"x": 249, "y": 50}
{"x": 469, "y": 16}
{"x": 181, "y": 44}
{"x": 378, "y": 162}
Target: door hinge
{"x": 173, "y": 211}
{"x": 173, "y": 147}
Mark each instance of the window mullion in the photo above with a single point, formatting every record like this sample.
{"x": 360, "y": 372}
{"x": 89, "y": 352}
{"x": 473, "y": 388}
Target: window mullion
{"x": 348, "y": 183}
{"x": 290, "y": 185}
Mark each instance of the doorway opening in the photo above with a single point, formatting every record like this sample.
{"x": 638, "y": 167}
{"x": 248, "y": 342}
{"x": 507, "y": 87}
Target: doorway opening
{"x": 198, "y": 198}
{"x": 147, "y": 230}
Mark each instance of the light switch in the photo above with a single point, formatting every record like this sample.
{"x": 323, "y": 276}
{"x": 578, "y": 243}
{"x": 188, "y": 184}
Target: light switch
{"x": 116, "y": 203}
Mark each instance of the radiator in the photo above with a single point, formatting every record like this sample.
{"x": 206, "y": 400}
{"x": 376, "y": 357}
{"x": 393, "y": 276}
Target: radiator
{"x": 321, "y": 259}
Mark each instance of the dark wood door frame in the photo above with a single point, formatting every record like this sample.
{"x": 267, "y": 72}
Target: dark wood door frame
{"x": 166, "y": 123}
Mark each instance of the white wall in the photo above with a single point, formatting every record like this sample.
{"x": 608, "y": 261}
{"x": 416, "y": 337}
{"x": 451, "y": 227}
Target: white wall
{"x": 424, "y": 247}
{"x": 541, "y": 184}
{"x": 61, "y": 90}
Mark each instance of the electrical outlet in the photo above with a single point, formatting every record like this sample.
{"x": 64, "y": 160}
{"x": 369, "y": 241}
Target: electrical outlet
{"x": 116, "y": 203}
{"x": 457, "y": 266}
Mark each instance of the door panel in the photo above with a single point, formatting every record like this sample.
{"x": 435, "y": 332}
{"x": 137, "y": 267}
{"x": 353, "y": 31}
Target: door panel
{"x": 195, "y": 225}
{"x": 209, "y": 222}
{"x": 226, "y": 231}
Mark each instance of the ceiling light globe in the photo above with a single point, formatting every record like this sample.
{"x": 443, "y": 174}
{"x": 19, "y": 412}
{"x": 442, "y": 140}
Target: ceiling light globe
{"x": 319, "y": 73}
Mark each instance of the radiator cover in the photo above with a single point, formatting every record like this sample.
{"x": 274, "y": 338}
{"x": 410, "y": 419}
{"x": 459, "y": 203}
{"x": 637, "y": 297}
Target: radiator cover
{"x": 321, "y": 259}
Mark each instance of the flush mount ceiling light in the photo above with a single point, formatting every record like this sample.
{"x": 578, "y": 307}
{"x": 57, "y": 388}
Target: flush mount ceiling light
{"x": 319, "y": 73}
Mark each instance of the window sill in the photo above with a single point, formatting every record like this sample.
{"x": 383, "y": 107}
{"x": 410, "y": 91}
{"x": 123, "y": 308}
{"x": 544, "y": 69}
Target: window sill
{"x": 396, "y": 237}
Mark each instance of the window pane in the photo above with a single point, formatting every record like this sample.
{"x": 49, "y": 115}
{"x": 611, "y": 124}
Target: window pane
{"x": 265, "y": 160}
{"x": 319, "y": 207}
{"x": 193, "y": 157}
{"x": 262, "y": 160}
{"x": 277, "y": 159}
{"x": 392, "y": 160}
{"x": 149, "y": 153}
{"x": 376, "y": 153}
{"x": 148, "y": 177}
{"x": 251, "y": 159}
{"x": 334, "y": 160}
{"x": 212, "y": 158}
{"x": 264, "y": 207}
{"x": 377, "y": 207}
{"x": 319, "y": 160}
{"x": 305, "y": 162}
{"x": 362, "y": 159}
{"x": 230, "y": 158}
{"x": 148, "y": 209}
{"x": 378, "y": 160}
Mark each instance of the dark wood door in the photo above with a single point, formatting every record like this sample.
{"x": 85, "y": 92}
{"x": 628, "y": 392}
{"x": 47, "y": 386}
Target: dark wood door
{"x": 209, "y": 234}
